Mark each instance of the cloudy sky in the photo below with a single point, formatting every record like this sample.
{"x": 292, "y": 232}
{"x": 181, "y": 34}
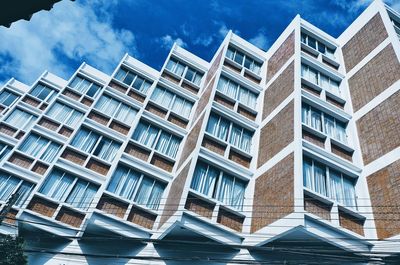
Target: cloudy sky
{"x": 100, "y": 32}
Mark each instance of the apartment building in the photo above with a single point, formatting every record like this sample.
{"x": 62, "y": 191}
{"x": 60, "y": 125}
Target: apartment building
{"x": 286, "y": 155}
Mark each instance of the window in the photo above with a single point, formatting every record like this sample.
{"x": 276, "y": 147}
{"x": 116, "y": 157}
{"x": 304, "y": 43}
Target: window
{"x": 64, "y": 187}
{"x": 179, "y": 69}
{"x": 329, "y": 182}
{"x": 43, "y": 92}
{"x": 21, "y": 119}
{"x": 130, "y": 78}
{"x": 4, "y": 150}
{"x": 96, "y": 144}
{"x": 40, "y": 147}
{"x": 116, "y": 109}
{"x": 154, "y": 137}
{"x": 7, "y": 98}
{"x": 320, "y": 79}
{"x": 169, "y": 100}
{"x": 243, "y": 59}
{"x": 228, "y": 131}
{"x": 237, "y": 92}
{"x": 219, "y": 185}
{"x": 135, "y": 186}
{"x": 10, "y": 185}
{"x": 324, "y": 123}
{"x": 317, "y": 45}
{"x": 85, "y": 86}
{"x": 64, "y": 114}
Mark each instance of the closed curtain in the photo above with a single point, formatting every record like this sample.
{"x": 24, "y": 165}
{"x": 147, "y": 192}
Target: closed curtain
{"x": 8, "y": 184}
{"x": 145, "y": 134}
{"x": 349, "y": 193}
{"x": 23, "y": 191}
{"x": 320, "y": 179}
{"x": 308, "y": 174}
{"x": 316, "y": 120}
{"x": 155, "y": 196}
{"x": 51, "y": 152}
{"x": 82, "y": 194}
{"x": 204, "y": 179}
{"x": 107, "y": 149}
{"x": 330, "y": 126}
{"x": 85, "y": 140}
{"x": 144, "y": 191}
{"x": 123, "y": 182}
{"x": 125, "y": 114}
{"x": 56, "y": 185}
{"x": 335, "y": 186}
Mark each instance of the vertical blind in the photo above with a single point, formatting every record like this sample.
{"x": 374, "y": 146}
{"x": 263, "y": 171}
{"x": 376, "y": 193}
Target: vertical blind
{"x": 154, "y": 137}
{"x": 21, "y": 119}
{"x": 226, "y": 130}
{"x": 64, "y": 114}
{"x": 169, "y": 100}
{"x": 243, "y": 59}
{"x": 329, "y": 182}
{"x": 116, "y": 109}
{"x": 237, "y": 92}
{"x": 178, "y": 68}
{"x": 214, "y": 183}
{"x": 132, "y": 185}
{"x": 320, "y": 79}
{"x": 40, "y": 147}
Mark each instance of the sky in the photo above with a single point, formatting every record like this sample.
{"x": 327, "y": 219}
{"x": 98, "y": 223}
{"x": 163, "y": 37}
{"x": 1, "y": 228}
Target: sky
{"x": 100, "y": 32}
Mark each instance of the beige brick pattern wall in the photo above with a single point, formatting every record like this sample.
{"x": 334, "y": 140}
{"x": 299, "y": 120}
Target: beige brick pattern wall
{"x": 364, "y": 41}
{"x": 351, "y": 223}
{"x": 204, "y": 100}
{"x": 174, "y": 195}
{"x": 379, "y": 129}
{"x": 191, "y": 141}
{"x": 281, "y": 56}
{"x": 276, "y": 134}
{"x": 214, "y": 67}
{"x": 280, "y": 89}
{"x": 318, "y": 208}
{"x": 270, "y": 205}
{"x": 372, "y": 79}
{"x": 384, "y": 190}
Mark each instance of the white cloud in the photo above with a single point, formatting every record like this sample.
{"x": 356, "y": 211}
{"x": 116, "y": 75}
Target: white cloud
{"x": 223, "y": 30}
{"x": 204, "y": 41}
{"x": 167, "y": 41}
{"x": 70, "y": 30}
{"x": 260, "y": 40}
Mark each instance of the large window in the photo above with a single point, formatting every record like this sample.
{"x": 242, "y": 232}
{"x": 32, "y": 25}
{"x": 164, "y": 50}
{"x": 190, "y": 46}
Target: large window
{"x": 324, "y": 123}
{"x": 85, "y": 86}
{"x": 244, "y": 60}
{"x": 227, "y": 131}
{"x": 40, "y": 147}
{"x": 116, "y": 109}
{"x": 329, "y": 182}
{"x": 154, "y": 137}
{"x": 181, "y": 69}
{"x": 64, "y": 187}
{"x": 320, "y": 79}
{"x": 317, "y": 45}
{"x": 169, "y": 100}
{"x": 7, "y": 98}
{"x": 135, "y": 186}
{"x": 134, "y": 80}
{"x": 21, "y": 119}
{"x": 94, "y": 143}
{"x": 10, "y": 185}
{"x": 237, "y": 92}
{"x": 64, "y": 114}
{"x": 43, "y": 92}
{"x": 219, "y": 185}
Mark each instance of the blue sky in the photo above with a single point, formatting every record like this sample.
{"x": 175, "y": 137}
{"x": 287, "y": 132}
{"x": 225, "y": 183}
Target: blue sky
{"x": 100, "y": 32}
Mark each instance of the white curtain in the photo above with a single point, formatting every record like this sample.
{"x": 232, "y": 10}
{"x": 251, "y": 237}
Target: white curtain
{"x": 204, "y": 179}
{"x": 218, "y": 126}
{"x": 236, "y": 136}
{"x": 316, "y": 120}
{"x": 51, "y": 152}
{"x": 123, "y": 182}
{"x": 107, "y": 149}
{"x": 225, "y": 190}
{"x": 8, "y": 184}
{"x": 320, "y": 179}
{"x": 107, "y": 105}
{"x": 349, "y": 193}
{"x": 56, "y": 185}
{"x": 85, "y": 140}
{"x": 330, "y": 126}
{"x": 335, "y": 186}
{"x": 24, "y": 190}
{"x": 247, "y": 97}
{"x": 20, "y": 119}
{"x": 155, "y": 196}
{"x": 324, "y": 82}
{"x": 145, "y": 134}
{"x": 305, "y": 114}
{"x": 143, "y": 194}
{"x": 126, "y": 114}
{"x": 64, "y": 114}
{"x": 163, "y": 142}
{"x": 307, "y": 174}
{"x": 341, "y": 132}
{"x": 7, "y": 98}
{"x": 120, "y": 75}
{"x": 82, "y": 194}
